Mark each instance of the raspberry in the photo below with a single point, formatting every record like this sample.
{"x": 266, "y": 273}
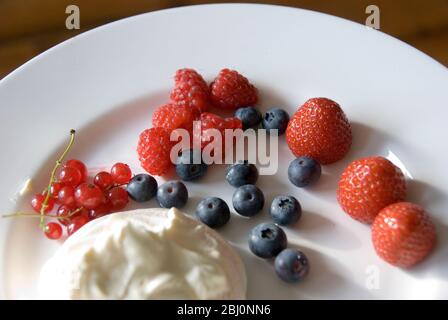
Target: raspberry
{"x": 172, "y": 116}
{"x": 368, "y": 185}
{"x": 320, "y": 130}
{"x": 190, "y": 90}
{"x": 154, "y": 147}
{"x": 403, "y": 234}
{"x": 230, "y": 90}
{"x": 213, "y": 121}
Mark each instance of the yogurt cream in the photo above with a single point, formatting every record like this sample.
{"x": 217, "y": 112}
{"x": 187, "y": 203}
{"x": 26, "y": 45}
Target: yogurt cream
{"x": 144, "y": 254}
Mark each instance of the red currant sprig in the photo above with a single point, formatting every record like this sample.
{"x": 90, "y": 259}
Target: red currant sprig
{"x": 44, "y": 202}
{"x": 79, "y": 201}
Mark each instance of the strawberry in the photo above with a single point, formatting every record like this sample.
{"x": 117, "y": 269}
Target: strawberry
{"x": 403, "y": 234}
{"x": 368, "y": 185}
{"x": 190, "y": 90}
{"x": 231, "y": 90}
{"x": 319, "y": 129}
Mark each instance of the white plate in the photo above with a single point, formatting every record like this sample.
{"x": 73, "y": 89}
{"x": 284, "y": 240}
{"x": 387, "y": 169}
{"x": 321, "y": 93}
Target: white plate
{"x": 106, "y": 82}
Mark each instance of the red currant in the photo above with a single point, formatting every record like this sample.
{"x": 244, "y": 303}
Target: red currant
{"x": 53, "y": 230}
{"x": 80, "y": 166}
{"x": 118, "y": 198}
{"x": 103, "y": 180}
{"x": 121, "y": 173}
{"x": 55, "y": 188}
{"x": 38, "y": 200}
{"x": 76, "y": 223}
{"x": 67, "y": 196}
{"x": 89, "y": 196}
{"x": 70, "y": 176}
{"x": 66, "y": 211}
{"x": 104, "y": 209}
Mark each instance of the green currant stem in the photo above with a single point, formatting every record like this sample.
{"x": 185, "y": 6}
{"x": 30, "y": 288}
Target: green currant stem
{"x": 33, "y": 215}
{"x": 29, "y": 215}
{"x": 52, "y": 179}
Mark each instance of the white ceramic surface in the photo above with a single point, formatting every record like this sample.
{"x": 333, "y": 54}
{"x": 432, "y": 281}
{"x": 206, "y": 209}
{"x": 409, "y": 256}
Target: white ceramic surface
{"x": 105, "y": 83}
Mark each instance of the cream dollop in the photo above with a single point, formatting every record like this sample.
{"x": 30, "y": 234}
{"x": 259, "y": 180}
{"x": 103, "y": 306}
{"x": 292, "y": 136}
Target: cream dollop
{"x": 144, "y": 254}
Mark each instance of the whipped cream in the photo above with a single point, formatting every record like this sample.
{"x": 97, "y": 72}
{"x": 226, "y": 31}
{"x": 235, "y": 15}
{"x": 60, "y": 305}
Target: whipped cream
{"x": 144, "y": 254}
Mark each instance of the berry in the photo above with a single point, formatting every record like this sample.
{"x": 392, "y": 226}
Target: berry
{"x": 403, "y": 234}
{"x": 213, "y": 212}
{"x": 248, "y": 200}
{"x": 190, "y": 90}
{"x": 249, "y": 116}
{"x": 172, "y": 194}
{"x": 230, "y": 90}
{"x": 53, "y": 230}
{"x": 38, "y": 200}
{"x": 172, "y": 116}
{"x": 55, "y": 188}
{"x": 275, "y": 118}
{"x": 304, "y": 171}
{"x": 121, "y": 173}
{"x": 104, "y": 209}
{"x": 189, "y": 165}
{"x": 70, "y": 176}
{"x": 118, "y": 198}
{"x": 154, "y": 147}
{"x": 142, "y": 188}
{"x": 89, "y": 196}
{"x": 76, "y": 223}
{"x": 267, "y": 240}
{"x": 291, "y": 265}
{"x": 368, "y": 185}
{"x": 66, "y": 196}
{"x": 80, "y": 166}
{"x": 66, "y": 211}
{"x": 213, "y": 121}
{"x": 63, "y": 211}
{"x": 285, "y": 210}
{"x": 103, "y": 180}
{"x": 241, "y": 173}
{"x": 320, "y": 130}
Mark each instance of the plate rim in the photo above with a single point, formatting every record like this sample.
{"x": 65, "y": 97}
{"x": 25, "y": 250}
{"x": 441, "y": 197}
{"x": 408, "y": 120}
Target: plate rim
{"x": 143, "y": 15}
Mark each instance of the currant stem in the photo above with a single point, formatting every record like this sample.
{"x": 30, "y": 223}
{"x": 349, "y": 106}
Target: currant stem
{"x": 28, "y": 215}
{"x": 52, "y": 179}
{"x": 33, "y": 215}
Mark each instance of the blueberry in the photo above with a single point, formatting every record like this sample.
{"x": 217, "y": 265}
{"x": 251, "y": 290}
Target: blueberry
{"x": 249, "y": 116}
{"x": 291, "y": 265}
{"x": 213, "y": 212}
{"x": 276, "y": 118}
{"x": 304, "y": 171}
{"x": 142, "y": 187}
{"x": 248, "y": 200}
{"x": 267, "y": 240}
{"x": 285, "y": 210}
{"x": 189, "y": 165}
{"x": 242, "y": 173}
{"x": 172, "y": 194}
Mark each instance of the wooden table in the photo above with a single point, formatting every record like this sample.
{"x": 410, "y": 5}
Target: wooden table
{"x": 28, "y": 27}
